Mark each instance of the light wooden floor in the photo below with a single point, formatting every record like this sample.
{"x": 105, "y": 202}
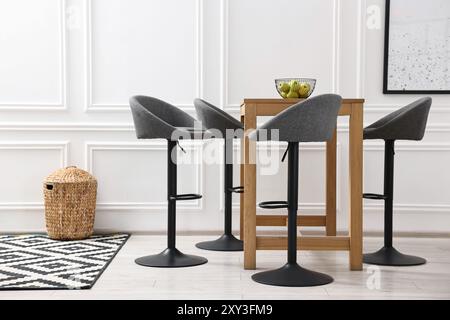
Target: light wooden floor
{"x": 224, "y": 278}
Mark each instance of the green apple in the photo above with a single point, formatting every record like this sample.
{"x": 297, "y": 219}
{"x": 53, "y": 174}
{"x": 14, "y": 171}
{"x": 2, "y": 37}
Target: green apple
{"x": 295, "y": 85}
{"x": 284, "y": 95}
{"x": 292, "y": 95}
{"x": 284, "y": 87}
{"x": 304, "y": 89}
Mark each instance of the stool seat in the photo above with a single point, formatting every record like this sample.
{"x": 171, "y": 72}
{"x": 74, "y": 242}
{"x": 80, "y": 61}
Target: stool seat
{"x": 214, "y": 118}
{"x": 312, "y": 120}
{"x": 407, "y": 123}
{"x": 157, "y": 119}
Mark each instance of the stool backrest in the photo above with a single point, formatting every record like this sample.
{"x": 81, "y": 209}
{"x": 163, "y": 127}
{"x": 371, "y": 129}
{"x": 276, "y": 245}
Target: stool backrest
{"x": 156, "y": 119}
{"x": 312, "y": 120}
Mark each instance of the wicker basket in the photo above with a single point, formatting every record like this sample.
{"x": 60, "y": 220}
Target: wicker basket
{"x": 70, "y": 198}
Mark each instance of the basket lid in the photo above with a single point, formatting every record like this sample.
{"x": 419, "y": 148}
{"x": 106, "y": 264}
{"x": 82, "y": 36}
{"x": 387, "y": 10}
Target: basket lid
{"x": 70, "y": 174}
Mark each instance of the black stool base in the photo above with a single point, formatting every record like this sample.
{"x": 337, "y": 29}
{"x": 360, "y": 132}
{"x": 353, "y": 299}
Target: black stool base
{"x": 389, "y": 256}
{"x": 224, "y": 243}
{"x": 292, "y": 275}
{"x": 171, "y": 258}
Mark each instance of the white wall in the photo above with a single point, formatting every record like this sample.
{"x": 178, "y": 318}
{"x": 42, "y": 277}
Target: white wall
{"x": 68, "y": 67}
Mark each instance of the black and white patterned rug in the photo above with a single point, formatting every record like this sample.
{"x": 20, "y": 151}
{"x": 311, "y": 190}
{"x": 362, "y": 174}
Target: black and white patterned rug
{"x": 32, "y": 262}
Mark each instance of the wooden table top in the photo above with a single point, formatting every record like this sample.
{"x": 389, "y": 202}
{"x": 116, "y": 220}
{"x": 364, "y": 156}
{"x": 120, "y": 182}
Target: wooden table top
{"x": 272, "y": 107}
{"x": 289, "y": 101}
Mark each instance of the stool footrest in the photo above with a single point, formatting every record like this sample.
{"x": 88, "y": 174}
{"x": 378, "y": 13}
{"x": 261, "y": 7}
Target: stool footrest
{"x": 236, "y": 189}
{"x": 373, "y": 196}
{"x": 273, "y": 205}
{"x": 181, "y": 197}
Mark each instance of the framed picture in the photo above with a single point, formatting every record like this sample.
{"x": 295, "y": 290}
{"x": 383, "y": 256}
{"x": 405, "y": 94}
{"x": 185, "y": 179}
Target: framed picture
{"x": 417, "y": 47}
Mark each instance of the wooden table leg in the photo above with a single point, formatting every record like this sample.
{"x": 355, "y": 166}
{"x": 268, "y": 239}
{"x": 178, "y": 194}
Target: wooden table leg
{"x": 249, "y": 191}
{"x": 356, "y": 173}
{"x": 331, "y": 185}
{"x": 241, "y": 195}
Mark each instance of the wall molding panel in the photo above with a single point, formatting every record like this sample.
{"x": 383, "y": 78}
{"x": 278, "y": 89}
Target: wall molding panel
{"x": 66, "y": 127}
{"x": 400, "y": 147}
{"x": 90, "y": 106}
{"x": 336, "y": 58}
{"x": 197, "y": 205}
{"x": 61, "y": 146}
{"x": 224, "y": 53}
{"x": 224, "y": 43}
{"x": 361, "y": 23}
{"x": 391, "y": 107}
{"x": 62, "y": 103}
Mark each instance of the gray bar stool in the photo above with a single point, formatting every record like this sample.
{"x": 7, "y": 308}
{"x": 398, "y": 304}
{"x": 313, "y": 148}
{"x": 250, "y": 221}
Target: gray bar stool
{"x": 213, "y": 118}
{"x": 156, "y": 119}
{"x": 407, "y": 123}
{"x": 313, "y": 120}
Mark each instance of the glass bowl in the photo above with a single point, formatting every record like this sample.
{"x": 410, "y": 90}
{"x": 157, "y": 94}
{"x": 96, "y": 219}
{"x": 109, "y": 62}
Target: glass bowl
{"x": 303, "y": 87}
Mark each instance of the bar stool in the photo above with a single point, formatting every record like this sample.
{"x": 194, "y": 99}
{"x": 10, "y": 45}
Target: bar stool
{"x": 407, "y": 123}
{"x": 156, "y": 119}
{"x": 213, "y": 118}
{"x": 313, "y": 120}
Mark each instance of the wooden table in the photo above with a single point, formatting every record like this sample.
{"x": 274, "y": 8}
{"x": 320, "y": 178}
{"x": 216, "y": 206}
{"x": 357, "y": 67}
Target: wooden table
{"x": 250, "y": 110}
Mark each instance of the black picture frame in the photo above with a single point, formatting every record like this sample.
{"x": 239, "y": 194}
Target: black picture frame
{"x": 386, "y": 62}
